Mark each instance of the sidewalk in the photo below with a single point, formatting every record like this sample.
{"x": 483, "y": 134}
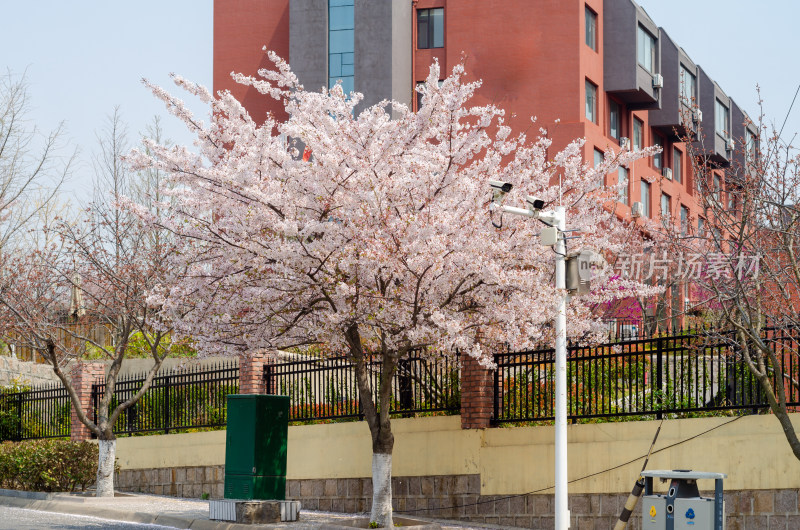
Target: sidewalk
{"x": 173, "y": 512}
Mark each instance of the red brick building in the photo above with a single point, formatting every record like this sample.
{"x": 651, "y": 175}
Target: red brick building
{"x": 597, "y": 69}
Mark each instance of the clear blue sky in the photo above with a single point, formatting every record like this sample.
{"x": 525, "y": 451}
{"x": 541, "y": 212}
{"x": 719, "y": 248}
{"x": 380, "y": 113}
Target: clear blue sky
{"x": 83, "y": 58}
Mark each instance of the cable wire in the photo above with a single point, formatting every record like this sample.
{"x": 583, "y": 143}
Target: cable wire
{"x": 651, "y": 452}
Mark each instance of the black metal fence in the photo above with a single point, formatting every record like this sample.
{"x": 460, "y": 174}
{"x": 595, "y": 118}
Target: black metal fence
{"x": 692, "y": 373}
{"x": 689, "y": 373}
{"x": 181, "y": 399}
{"x": 321, "y": 389}
{"x": 39, "y": 412}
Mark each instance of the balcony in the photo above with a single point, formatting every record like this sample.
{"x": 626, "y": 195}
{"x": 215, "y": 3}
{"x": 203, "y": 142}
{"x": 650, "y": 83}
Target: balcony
{"x": 631, "y": 54}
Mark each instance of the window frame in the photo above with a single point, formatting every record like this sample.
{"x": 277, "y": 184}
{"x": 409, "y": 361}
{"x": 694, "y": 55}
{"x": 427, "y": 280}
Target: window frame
{"x": 614, "y": 109}
{"x": 593, "y": 103}
{"x": 337, "y": 33}
{"x": 684, "y": 220}
{"x": 642, "y": 36}
{"x": 658, "y": 158}
{"x": 691, "y": 99}
{"x": 599, "y": 158}
{"x": 726, "y": 118}
{"x": 590, "y": 29}
{"x": 668, "y": 213}
{"x": 638, "y": 134}
{"x": 430, "y": 33}
{"x": 645, "y": 197}
{"x": 624, "y": 191}
{"x": 677, "y": 165}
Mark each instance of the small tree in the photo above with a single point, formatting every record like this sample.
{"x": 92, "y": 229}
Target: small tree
{"x": 87, "y": 291}
{"x": 748, "y": 249}
{"x": 378, "y": 243}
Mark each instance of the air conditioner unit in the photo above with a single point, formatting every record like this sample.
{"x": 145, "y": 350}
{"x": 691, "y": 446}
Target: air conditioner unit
{"x": 697, "y": 115}
{"x": 729, "y": 144}
{"x": 658, "y": 81}
{"x": 667, "y": 173}
{"x": 624, "y": 142}
{"x": 637, "y": 209}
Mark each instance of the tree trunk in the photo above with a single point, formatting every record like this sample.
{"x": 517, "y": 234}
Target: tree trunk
{"x": 379, "y": 425}
{"x": 382, "y": 490}
{"x": 105, "y": 468}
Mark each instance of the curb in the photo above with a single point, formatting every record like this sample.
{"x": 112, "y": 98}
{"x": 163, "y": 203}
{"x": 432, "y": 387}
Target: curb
{"x": 46, "y": 502}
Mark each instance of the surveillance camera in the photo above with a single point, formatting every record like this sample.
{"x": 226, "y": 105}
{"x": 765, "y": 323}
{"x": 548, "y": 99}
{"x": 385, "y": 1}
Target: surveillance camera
{"x": 534, "y": 203}
{"x": 499, "y": 185}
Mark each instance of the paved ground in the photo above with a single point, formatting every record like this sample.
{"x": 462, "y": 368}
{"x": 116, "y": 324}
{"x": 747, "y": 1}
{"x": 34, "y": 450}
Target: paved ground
{"x": 25, "y": 519}
{"x": 22, "y": 511}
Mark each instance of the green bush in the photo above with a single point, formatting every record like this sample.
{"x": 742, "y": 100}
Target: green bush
{"x": 48, "y": 465}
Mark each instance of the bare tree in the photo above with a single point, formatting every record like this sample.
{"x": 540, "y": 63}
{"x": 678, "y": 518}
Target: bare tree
{"x": 748, "y": 248}
{"x": 32, "y": 166}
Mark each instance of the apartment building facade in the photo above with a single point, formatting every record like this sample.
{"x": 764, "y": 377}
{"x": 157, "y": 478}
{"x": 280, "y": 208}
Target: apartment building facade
{"x": 597, "y": 69}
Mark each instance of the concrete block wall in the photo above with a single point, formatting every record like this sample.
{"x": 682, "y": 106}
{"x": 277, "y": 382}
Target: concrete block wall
{"x": 188, "y": 482}
{"x": 458, "y": 497}
{"x": 13, "y": 370}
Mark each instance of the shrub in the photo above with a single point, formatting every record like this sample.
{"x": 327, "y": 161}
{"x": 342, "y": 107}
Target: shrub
{"x": 48, "y": 465}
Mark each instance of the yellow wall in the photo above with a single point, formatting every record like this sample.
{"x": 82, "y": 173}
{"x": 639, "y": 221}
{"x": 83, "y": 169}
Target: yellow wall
{"x": 751, "y": 450}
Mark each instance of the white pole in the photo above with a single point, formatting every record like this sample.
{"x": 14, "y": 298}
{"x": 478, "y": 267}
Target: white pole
{"x": 562, "y": 508}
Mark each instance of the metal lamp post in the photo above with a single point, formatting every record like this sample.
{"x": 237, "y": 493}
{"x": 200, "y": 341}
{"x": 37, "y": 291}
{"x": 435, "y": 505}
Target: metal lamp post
{"x": 556, "y": 220}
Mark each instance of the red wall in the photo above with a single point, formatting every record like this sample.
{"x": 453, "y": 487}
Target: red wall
{"x": 241, "y": 29}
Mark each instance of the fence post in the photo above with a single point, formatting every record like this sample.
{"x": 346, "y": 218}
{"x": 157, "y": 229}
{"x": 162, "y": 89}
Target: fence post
{"x": 18, "y": 436}
{"x": 167, "y": 382}
{"x": 477, "y": 394}
{"x": 406, "y": 397}
{"x": 660, "y": 377}
{"x": 251, "y": 373}
{"x": 83, "y": 375}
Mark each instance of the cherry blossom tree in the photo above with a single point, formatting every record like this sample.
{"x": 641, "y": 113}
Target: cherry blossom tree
{"x": 378, "y": 243}
{"x": 85, "y": 292}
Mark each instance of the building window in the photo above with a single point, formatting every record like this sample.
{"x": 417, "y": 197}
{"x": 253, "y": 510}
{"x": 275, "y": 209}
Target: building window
{"x": 658, "y": 158}
{"x": 591, "y": 101}
{"x": 701, "y": 227}
{"x": 599, "y": 157}
{"x": 684, "y": 220}
{"x": 419, "y": 94}
{"x": 677, "y": 167}
{"x": 645, "y": 198}
{"x": 751, "y": 146}
{"x": 624, "y": 183}
{"x": 638, "y": 134}
{"x": 341, "y": 44}
{"x": 717, "y": 188}
{"x": 614, "y": 120}
{"x": 430, "y": 28}
{"x": 665, "y": 207}
{"x": 722, "y": 119}
{"x": 591, "y": 29}
{"x": 688, "y": 87}
{"x": 646, "y": 50}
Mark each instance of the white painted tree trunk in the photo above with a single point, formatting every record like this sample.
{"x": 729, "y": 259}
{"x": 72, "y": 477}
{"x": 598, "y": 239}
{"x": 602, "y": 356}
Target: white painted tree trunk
{"x": 382, "y": 490}
{"x": 105, "y": 468}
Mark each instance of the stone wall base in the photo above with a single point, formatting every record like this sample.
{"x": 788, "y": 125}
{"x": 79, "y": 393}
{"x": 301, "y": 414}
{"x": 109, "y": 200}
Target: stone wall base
{"x": 458, "y": 497}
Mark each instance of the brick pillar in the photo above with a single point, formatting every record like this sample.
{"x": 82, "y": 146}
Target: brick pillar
{"x": 251, "y": 374}
{"x": 83, "y": 376}
{"x": 477, "y": 394}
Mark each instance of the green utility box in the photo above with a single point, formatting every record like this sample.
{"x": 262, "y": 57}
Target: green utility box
{"x": 255, "y": 447}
